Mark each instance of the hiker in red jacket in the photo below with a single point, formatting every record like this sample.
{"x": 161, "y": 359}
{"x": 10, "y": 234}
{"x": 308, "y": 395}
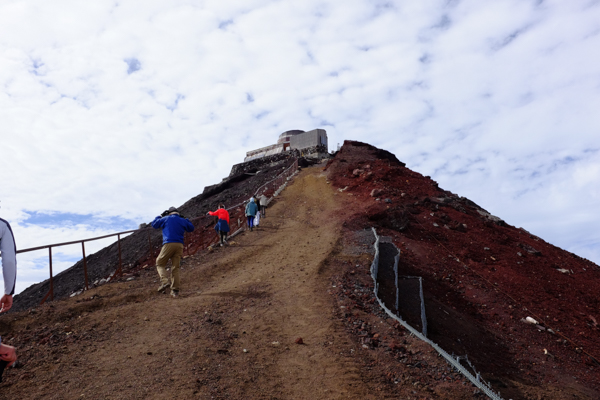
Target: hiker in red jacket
{"x": 222, "y": 226}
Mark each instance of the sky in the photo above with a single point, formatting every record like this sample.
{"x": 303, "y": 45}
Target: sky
{"x": 113, "y": 111}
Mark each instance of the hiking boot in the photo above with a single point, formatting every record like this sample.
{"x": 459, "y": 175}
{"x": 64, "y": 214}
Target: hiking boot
{"x": 163, "y": 287}
{"x": 174, "y": 293}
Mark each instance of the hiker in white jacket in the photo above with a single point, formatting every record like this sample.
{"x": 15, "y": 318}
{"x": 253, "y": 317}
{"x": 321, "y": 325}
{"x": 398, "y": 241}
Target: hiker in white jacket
{"x": 263, "y": 205}
{"x": 8, "y": 252}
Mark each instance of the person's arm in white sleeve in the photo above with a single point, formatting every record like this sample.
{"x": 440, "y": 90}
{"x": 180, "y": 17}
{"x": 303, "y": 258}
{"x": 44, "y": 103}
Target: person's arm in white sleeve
{"x": 9, "y": 264}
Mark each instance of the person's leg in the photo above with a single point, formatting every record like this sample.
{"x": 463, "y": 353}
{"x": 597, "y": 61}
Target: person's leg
{"x": 175, "y": 260}
{"x": 161, "y": 262}
{"x": 222, "y": 235}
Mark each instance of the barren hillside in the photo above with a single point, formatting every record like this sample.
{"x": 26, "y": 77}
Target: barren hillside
{"x": 234, "y": 333}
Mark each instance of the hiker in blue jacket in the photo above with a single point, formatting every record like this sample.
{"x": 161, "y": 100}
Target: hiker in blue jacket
{"x": 8, "y": 251}
{"x": 173, "y": 228}
{"x": 251, "y": 209}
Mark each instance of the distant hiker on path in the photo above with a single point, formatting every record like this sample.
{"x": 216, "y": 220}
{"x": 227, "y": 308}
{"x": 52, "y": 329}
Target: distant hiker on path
{"x": 222, "y": 226}
{"x": 251, "y": 209}
{"x": 8, "y": 251}
{"x": 263, "y": 205}
{"x": 173, "y": 228}
{"x": 257, "y": 217}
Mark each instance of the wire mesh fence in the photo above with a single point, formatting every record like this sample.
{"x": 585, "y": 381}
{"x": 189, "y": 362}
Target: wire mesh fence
{"x": 453, "y": 361}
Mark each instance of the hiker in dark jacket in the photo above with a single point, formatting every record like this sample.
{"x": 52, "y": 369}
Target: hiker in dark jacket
{"x": 251, "y": 209}
{"x": 173, "y": 227}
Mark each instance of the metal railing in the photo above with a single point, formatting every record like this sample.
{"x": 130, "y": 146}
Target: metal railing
{"x": 50, "y": 246}
{"x": 278, "y": 181}
{"x": 193, "y": 241}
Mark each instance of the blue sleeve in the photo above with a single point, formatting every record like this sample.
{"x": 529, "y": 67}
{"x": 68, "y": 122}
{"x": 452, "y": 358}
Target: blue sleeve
{"x": 158, "y": 223}
{"x": 9, "y": 257}
{"x": 189, "y": 227}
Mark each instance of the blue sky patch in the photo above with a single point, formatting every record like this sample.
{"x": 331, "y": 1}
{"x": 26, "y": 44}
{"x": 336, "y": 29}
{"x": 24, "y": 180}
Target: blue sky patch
{"x": 133, "y": 64}
{"x": 224, "y": 24}
{"x": 58, "y": 219}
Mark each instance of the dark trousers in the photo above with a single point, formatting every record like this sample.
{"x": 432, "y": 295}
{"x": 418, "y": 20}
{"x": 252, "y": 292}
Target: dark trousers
{"x": 263, "y": 210}
{"x": 251, "y": 221}
{"x": 223, "y": 236}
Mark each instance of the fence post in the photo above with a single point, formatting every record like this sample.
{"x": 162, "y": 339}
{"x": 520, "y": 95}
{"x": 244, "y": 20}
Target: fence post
{"x": 51, "y": 291}
{"x": 84, "y": 265}
{"x": 423, "y": 316}
{"x": 51, "y": 279}
{"x": 120, "y": 263}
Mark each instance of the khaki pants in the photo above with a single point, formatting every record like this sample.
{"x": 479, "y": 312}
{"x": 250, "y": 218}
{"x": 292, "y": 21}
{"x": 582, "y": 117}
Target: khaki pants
{"x": 171, "y": 251}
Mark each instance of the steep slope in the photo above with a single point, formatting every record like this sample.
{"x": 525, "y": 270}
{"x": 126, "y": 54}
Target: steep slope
{"x": 482, "y": 277}
{"x": 242, "y": 183}
{"x": 306, "y": 274}
{"x": 234, "y": 332}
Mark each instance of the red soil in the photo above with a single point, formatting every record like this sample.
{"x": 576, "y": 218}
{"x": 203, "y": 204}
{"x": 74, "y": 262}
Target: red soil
{"x": 482, "y": 277}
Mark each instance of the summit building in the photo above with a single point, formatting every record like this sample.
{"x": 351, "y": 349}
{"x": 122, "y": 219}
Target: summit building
{"x": 311, "y": 144}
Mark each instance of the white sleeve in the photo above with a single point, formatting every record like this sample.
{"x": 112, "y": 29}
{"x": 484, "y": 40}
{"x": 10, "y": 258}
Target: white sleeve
{"x": 9, "y": 257}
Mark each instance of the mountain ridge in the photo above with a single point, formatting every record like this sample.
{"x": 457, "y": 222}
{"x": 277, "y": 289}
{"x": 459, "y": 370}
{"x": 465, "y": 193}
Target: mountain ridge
{"x": 482, "y": 279}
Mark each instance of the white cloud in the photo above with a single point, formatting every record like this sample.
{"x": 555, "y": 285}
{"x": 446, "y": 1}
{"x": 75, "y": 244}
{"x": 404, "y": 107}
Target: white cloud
{"x": 123, "y": 109}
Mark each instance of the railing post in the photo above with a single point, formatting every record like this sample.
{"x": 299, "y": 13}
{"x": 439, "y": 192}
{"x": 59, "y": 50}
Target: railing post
{"x": 84, "y": 265}
{"x": 51, "y": 279}
{"x": 120, "y": 263}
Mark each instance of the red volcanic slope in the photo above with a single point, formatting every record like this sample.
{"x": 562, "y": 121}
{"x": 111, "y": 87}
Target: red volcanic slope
{"x": 482, "y": 277}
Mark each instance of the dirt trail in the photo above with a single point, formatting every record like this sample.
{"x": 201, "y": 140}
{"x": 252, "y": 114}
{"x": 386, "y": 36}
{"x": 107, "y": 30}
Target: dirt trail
{"x": 231, "y": 334}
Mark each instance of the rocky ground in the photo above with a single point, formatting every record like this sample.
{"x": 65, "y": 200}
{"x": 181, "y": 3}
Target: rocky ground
{"x": 288, "y": 311}
{"x": 482, "y": 279}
